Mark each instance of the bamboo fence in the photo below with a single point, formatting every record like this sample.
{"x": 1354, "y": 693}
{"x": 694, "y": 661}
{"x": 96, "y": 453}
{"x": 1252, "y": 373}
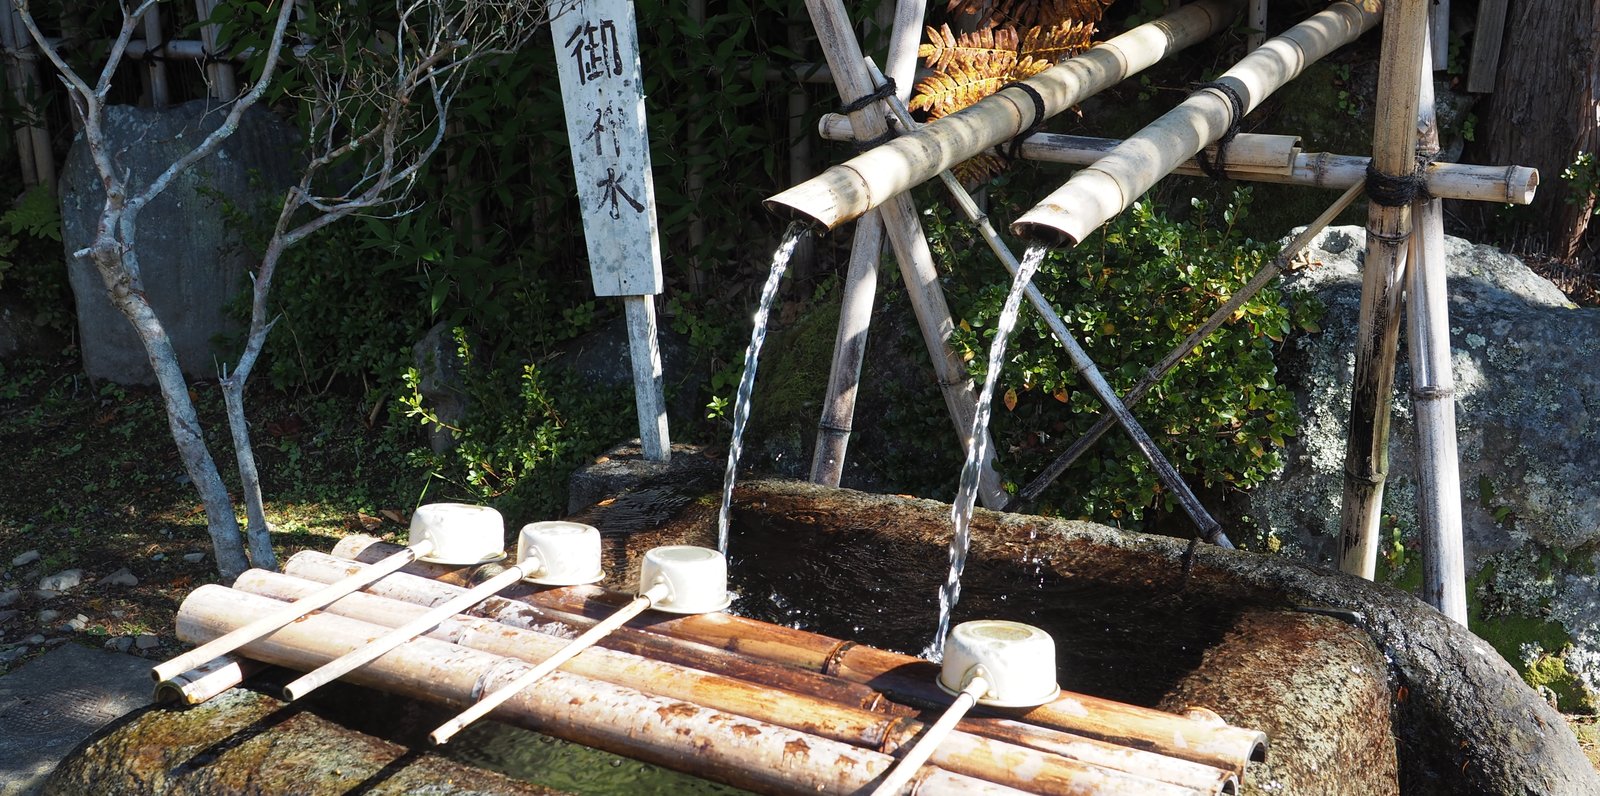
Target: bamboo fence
{"x": 1095, "y": 194}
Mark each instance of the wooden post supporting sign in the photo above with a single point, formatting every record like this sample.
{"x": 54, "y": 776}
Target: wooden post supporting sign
{"x": 602, "y": 90}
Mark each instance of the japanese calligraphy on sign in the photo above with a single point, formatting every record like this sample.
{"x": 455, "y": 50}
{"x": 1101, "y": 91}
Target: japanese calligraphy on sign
{"x": 597, "y": 55}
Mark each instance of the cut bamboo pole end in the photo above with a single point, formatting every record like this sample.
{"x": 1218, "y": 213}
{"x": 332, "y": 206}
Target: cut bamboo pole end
{"x": 846, "y": 191}
{"x": 208, "y": 679}
{"x": 200, "y": 655}
{"x": 363, "y": 655}
{"x": 496, "y": 698}
{"x": 925, "y": 746}
{"x": 1094, "y": 195}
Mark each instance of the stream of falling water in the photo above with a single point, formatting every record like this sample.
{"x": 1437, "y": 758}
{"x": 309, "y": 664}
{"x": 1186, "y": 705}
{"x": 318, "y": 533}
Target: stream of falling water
{"x": 747, "y": 381}
{"x": 967, "y": 494}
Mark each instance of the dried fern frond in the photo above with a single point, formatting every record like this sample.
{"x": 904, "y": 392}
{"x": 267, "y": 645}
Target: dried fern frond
{"x": 980, "y": 169}
{"x": 1029, "y": 13}
{"x": 945, "y": 49}
{"x": 1058, "y": 42}
{"x": 944, "y": 93}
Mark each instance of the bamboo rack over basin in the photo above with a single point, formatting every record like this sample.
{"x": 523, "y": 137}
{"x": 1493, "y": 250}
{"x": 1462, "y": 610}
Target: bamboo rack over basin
{"x": 901, "y": 677}
{"x": 737, "y": 716}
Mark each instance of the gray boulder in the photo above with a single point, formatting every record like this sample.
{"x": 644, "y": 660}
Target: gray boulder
{"x": 437, "y": 359}
{"x": 191, "y": 255}
{"x": 1527, "y": 371}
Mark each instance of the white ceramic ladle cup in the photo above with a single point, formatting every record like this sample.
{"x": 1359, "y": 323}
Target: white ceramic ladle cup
{"x": 560, "y": 553}
{"x": 696, "y": 579}
{"x": 461, "y": 534}
{"x": 988, "y": 661}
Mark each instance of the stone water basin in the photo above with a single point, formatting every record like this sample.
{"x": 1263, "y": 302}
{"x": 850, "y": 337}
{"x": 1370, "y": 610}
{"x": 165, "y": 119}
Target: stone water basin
{"x": 1360, "y": 688}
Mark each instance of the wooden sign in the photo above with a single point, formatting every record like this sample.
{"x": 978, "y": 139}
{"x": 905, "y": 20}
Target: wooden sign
{"x": 597, "y": 53}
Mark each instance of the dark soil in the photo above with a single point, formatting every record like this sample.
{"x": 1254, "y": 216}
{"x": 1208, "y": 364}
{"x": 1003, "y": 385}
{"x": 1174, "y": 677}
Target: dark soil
{"x": 93, "y": 483}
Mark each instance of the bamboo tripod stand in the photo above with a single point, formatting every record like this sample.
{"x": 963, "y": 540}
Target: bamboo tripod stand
{"x": 1116, "y": 178}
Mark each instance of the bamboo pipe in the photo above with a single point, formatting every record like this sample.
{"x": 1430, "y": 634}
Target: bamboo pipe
{"x": 220, "y": 81}
{"x": 1208, "y": 527}
{"x": 590, "y": 637}
{"x": 375, "y": 648}
{"x": 904, "y": 229}
{"x": 908, "y": 678}
{"x": 207, "y": 680}
{"x": 288, "y": 613}
{"x": 1394, "y": 144}
{"x": 929, "y": 742}
{"x": 310, "y": 565}
{"x": 844, "y": 192}
{"x": 1249, "y": 160}
{"x": 673, "y": 733}
{"x": 1444, "y": 571}
{"x": 1095, "y": 194}
{"x": 772, "y": 701}
{"x": 1154, "y": 375}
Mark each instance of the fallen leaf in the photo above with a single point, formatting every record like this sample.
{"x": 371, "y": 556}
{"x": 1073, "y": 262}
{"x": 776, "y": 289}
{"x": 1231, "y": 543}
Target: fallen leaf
{"x": 394, "y": 516}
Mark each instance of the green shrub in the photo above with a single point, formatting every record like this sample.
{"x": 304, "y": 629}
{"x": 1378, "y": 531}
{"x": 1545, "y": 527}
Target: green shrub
{"x": 1130, "y": 293}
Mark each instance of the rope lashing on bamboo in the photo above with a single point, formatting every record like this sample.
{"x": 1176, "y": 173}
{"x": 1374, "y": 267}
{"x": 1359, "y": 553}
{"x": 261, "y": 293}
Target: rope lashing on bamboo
{"x": 1218, "y": 169}
{"x": 882, "y": 92}
{"x": 1013, "y": 148}
{"x": 1397, "y": 190}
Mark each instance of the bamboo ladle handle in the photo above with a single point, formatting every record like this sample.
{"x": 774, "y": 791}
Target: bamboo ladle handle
{"x": 319, "y": 599}
{"x": 363, "y": 655}
{"x": 590, "y": 637}
{"x": 925, "y": 746}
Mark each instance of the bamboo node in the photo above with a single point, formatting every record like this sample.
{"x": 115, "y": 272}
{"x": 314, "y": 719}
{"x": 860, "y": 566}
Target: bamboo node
{"x": 1217, "y": 169}
{"x": 1433, "y": 392}
{"x": 830, "y": 664}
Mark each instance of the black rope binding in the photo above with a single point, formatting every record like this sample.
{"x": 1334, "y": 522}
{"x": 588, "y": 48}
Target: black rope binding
{"x": 884, "y": 91}
{"x": 1218, "y": 169}
{"x": 1014, "y": 147}
{"x": 1397, "y": 191}
{"x": 862, "y": 145}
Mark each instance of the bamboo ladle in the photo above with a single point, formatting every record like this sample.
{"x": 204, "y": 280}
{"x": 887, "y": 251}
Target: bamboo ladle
{"x": 989, "y": 661}
{"x": 554, "y": 553}
{"x": 445, "y": 533}
{"x": 681, "y": 579}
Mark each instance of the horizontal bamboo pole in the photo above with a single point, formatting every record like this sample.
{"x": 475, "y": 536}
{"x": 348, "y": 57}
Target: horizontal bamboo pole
{"x": 377, "y": 647}
{"x": 965, "y": 753}
{"x": 846, "y": 191}
{"x": 207, "y": 680}
{"x": 1501, "y": 184}
{"x": 673, "y": 733}
{"x": 1095, "y": 194}
{"x": 930, "y": 742}
{"x": 902, "y": 676}
{"x": 288, "y": 613}
{"x": 425, "y": 591}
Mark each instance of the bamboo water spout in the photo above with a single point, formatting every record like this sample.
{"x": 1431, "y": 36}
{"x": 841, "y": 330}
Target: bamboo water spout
{"x": 845, "y": 192}
{"x": 1096, "y": 194}
{"x": 1259, "y": 161}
